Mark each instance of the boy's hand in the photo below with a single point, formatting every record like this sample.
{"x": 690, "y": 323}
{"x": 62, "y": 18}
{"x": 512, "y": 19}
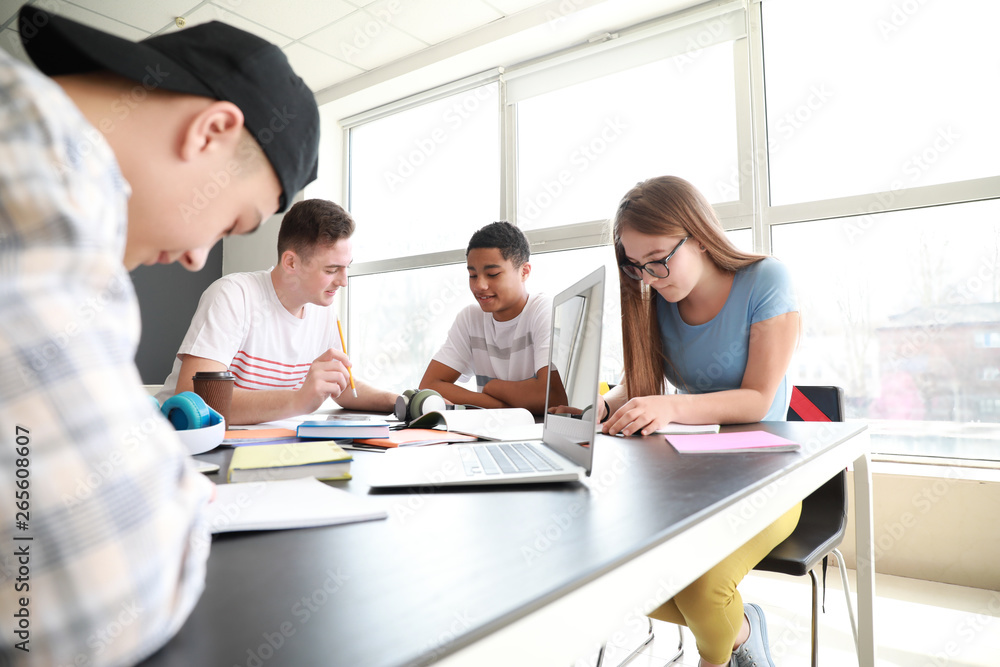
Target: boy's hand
{"x": 327, "y": 376}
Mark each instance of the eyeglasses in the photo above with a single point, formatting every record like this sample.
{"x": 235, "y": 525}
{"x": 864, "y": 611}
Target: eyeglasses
{"x": 657, "y": 268}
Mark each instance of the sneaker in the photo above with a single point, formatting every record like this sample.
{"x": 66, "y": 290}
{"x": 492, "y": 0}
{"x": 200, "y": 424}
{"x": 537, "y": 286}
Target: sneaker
{"x": 754, "y": 652}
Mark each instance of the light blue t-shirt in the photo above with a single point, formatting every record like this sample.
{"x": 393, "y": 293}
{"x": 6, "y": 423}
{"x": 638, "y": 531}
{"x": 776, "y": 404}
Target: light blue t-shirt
{"x": 713, "y": 356}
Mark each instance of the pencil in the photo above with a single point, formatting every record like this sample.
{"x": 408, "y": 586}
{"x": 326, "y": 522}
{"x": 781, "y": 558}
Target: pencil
{"x": 344, "y": 346}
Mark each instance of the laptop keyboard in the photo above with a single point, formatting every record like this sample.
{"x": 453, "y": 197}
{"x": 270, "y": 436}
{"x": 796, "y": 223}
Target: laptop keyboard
{"x": 508, "y": 457}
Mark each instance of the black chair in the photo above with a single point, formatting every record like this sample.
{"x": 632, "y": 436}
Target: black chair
{"x": 824, "y": 514}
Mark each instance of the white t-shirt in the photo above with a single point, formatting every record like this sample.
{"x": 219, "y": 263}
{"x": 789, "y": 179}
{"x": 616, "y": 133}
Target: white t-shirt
{"x": 241, "y": 323}
{"x": 515, "y": 350}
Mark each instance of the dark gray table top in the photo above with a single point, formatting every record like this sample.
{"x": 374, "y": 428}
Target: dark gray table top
{"x": 450, "y": 566}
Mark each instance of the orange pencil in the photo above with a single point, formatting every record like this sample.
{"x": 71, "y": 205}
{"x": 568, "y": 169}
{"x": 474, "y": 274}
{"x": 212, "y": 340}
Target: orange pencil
{"x": 344, "y": 346}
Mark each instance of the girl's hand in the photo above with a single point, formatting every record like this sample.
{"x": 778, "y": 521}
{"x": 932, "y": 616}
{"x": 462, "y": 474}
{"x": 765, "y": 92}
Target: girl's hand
{"x": 641, "y": 415}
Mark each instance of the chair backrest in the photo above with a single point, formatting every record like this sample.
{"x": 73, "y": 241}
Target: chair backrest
{"x": 819, "y": 403}
{"x": 816, "y": 404}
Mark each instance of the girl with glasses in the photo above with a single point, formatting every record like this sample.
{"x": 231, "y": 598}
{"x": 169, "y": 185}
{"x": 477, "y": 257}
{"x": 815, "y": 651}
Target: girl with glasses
{"x": 719, "y": 326}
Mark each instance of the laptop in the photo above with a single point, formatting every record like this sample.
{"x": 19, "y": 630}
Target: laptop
{"x": 566, "y": 448}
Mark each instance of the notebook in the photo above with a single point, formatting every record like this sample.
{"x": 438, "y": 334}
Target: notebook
{"x": 322, "y": 459}
{"x": 413, "y": 437}
{"x": 291, "y": 503}
{"x": 565, "y": 451}
{"x": 343, "y": 427}
{"x": 487, "y": 423}
{"x": 740, "y": 441}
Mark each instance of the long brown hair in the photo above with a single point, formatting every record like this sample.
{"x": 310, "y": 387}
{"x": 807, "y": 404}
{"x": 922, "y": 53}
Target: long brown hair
{"x": 662, "y": 206}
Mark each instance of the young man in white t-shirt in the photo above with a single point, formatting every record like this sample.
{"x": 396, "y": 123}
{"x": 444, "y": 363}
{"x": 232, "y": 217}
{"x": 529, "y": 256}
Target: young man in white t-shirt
{"x": 503, "y": 339}
{"x": 274, "y": 330}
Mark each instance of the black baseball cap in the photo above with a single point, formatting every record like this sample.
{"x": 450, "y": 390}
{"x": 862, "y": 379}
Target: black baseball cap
{"x": 212, "y": 60}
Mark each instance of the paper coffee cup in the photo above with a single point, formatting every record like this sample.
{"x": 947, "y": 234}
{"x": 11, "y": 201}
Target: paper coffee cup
{"x": 216, "y": 389}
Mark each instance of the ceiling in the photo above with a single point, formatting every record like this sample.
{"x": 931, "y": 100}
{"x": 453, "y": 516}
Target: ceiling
{"x": 327, "y": 42}
{"x": 333, "y": 44}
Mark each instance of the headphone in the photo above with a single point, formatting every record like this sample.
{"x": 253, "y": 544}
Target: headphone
{"x": 187, "y": 410}
{"x": 412, "y": 404}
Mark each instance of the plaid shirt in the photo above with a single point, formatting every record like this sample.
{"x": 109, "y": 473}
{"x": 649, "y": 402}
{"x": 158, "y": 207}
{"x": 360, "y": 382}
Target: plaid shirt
{"x": 102, "y": 544}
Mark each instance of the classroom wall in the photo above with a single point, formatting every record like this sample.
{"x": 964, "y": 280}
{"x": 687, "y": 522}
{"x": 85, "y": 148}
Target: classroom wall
{"x": 168, "y": 295}
{"x": 936, "y": 523}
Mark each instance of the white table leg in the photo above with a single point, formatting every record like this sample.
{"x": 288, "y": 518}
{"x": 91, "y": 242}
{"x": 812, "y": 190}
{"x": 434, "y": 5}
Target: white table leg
{"x": 864, "y": 535}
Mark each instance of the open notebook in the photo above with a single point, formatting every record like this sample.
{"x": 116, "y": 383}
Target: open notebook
{"x": 565, "y": 450}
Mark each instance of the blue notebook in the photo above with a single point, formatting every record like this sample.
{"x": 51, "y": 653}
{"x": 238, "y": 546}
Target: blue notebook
{"x": 345, "y": 428}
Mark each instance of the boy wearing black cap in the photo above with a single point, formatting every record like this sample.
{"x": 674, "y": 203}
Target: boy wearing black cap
{"x": 125, "y": 154}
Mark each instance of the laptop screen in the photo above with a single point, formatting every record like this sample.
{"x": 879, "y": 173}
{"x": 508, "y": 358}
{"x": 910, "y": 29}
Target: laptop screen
{"x": 574, "y": 369}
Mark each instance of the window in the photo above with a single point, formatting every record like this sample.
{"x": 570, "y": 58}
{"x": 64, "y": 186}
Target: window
{"x": 879, "y": 95}
{"x": 741, "y": 238}
{"x": 391, "y": 344}
{"x": 987, "y": 339}
{"x": 894, "y": 308}
{"x": 425, "y": 178}
{"x": 581, "y": 148}
{"x": 553, "y": 272}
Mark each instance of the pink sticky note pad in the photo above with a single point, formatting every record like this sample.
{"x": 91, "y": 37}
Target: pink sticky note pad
{"x": 742, "y": 441}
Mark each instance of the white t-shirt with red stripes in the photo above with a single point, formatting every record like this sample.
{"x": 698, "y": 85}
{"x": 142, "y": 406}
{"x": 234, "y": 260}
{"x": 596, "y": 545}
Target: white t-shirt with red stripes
{"x": 241, "y": 323}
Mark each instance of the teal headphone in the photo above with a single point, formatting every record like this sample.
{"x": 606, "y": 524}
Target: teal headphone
{"x": 412, "y": 404}
{"x": 187, "y": 410}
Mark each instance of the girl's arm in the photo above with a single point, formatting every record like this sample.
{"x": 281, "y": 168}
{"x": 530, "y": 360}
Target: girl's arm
{"x": 772, "y": 343}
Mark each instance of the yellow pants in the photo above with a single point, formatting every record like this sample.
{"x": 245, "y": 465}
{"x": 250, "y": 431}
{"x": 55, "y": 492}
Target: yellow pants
{"x": 711, "y": 606}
